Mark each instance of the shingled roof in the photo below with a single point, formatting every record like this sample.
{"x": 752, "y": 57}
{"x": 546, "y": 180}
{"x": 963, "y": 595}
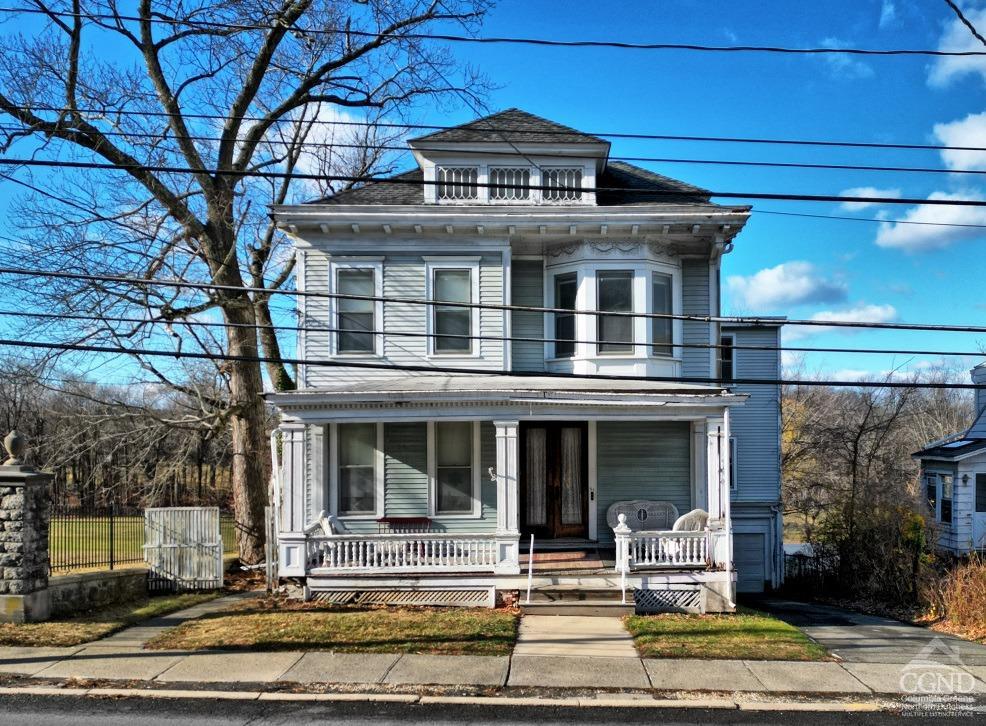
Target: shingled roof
{"x": 628, "y": 184}
{"x": 512, "y": 126}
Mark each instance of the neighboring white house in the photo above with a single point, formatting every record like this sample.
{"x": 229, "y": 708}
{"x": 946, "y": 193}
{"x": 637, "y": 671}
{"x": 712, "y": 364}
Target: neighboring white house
{"x": 953, "y": 474}
{"x": 435, "y": 480}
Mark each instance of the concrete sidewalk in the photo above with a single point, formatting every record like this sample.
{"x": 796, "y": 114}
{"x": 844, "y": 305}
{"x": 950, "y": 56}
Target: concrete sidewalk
{"x": 126, "y": 663}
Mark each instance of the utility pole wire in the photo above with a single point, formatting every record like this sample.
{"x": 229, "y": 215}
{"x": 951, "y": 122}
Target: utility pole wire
{"x": 965, "y": 21}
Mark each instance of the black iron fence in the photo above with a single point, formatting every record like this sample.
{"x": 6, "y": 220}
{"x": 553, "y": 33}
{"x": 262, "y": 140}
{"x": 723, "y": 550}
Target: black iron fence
{"x": 810, "y": 574}
{"x": 92, "y": 538}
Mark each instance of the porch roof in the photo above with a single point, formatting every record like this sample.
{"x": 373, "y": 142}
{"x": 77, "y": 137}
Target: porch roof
{"x": 429, "y": 389}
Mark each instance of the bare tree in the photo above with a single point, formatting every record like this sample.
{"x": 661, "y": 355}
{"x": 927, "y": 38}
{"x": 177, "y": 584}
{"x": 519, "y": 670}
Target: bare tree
{"x": 220, "y": 88}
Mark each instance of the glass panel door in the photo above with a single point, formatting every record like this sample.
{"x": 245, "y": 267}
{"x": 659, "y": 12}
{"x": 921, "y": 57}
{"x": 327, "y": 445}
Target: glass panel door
{"x": 536, "y": 514}
{"x": 571, "y": 475}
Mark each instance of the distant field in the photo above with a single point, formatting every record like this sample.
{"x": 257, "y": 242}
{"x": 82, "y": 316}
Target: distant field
{"x": 79, "y": 542}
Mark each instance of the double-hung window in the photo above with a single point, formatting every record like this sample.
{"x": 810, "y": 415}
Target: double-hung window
{"x": 662, "y": 328}
{"x": 931, "y": 492}
{"x": 726, "y": 359}
{"x": 614, "y": 295}
{"x": 355, "y": 318}
{"x": 946, "y": 499}
{"x": 452, "y": 325}
{"x": 454, "y": 467}
{"x": 566, "y": 289}
{"x": 357, "y": 448}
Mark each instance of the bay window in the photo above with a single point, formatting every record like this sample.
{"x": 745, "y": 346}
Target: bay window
{"x": 357, "y": 447}
{"x": 566, "y": 288}
{"x": 614, "y": 294}
{"x": 452, "y": 325}
{"x": 454, "y": 467}
{"x": 662, "y": 328}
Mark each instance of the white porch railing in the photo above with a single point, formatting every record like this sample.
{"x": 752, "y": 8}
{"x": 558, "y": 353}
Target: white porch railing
{"x": 402, "y": 553}
{"x": 652, "y": 550}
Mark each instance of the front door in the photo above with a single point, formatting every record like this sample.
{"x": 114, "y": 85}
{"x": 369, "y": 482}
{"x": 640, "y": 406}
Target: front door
{"x": 554, "y": 483}
{"x": 979, "y": 516}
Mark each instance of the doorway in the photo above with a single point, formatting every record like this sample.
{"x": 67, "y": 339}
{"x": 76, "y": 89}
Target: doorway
{"x": 554, "y": 483}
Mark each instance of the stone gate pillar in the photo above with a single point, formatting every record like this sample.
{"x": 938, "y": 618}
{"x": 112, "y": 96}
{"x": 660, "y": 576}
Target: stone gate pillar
{"x": 25, "y": 515}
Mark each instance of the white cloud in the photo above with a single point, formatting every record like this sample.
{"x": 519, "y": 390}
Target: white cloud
{"x": 860, "y": 313}
{"x": 865, "y": 192}
{"x": 927, "y": 236}
{"x": 888, "y": 13}
{"x": 842, "y": 65}
{"x": 789, "y": 283}
{"x": 969, "y": 131}
{"x": 956, "y": 36}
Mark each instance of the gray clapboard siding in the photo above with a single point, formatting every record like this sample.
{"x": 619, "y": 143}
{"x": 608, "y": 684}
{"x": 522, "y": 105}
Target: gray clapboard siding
{"x": 527, "y": 288}
{"x": 403, "y": 276}
{"x": 754, "y": 425}
{"x": 695, "y": 362}
{"x": 642, "y": 460}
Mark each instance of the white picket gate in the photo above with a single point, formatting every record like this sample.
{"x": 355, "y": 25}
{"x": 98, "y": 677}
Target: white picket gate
{"x": 183, "y": 548}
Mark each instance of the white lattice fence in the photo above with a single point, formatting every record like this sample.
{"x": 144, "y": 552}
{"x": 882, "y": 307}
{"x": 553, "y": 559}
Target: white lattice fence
{"x": 183, "y": 548}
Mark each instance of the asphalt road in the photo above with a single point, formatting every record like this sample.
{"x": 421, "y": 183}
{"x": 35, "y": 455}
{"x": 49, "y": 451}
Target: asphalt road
{"x": 71, "y": 711}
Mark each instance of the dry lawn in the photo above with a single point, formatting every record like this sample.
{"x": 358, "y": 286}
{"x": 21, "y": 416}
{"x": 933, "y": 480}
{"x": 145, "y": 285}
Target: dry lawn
{"x": 747, "y": 634}
{"x": 97, "y": 624}
{"x": 278, "y": 624}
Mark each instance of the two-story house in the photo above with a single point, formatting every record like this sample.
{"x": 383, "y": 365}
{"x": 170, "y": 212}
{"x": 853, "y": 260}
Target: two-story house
{"x": 487, "y": 363}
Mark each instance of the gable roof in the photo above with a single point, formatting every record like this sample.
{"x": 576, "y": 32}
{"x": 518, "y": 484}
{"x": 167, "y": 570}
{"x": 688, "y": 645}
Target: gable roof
{"x": 512, "y": 126}
{"x": 624, "y": 179}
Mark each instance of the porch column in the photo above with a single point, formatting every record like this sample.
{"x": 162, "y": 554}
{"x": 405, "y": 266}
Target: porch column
{"x": 717, "y": 436}
{"x": 507, "y": 498}
{"x": 290, "y": 493}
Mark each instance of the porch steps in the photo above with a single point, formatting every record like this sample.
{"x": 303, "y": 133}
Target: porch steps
{"x": 576, "y": 601}
{"x": 563, "y": 561}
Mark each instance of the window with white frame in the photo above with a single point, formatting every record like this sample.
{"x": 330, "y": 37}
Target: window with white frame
{"x": 510, "y": 183}
{"x": 452, "y": 324}
{"x": 931, "y": 492}
{"x": 454, "y": 474}
{"x": 457, "y": 183}
{"x": 561, "y": 184}
{"x": 566, "y": 290}
{"x": 662, "y": 329}
{"x": 355, "y": 318}
{"x": 946, "y": 499}
{"x": 614, "y": 294}
{"x": 357, "y": 448}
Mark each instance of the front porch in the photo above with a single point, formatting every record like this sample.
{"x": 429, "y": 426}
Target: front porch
{"x": 477, "y": 483}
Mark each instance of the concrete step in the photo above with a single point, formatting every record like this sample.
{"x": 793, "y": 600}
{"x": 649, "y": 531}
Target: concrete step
{"x": 585, "y": 608}
{"x": 573, "y": 594}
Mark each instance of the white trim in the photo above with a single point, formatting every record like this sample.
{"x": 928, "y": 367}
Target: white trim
{"x": 506, "y": 319}
{"x": 593, "y": 474}
{"x": 472, "y": 264}
{"x": 379, "y": 463}
{"x": 337, "y": 263}
{"x": 301, "y": 304}
{"x": 477, "y": 479}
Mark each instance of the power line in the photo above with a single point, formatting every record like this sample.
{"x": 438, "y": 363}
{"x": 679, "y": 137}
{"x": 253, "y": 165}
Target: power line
{"x": 509, "y": 129}
{"x": 77, "y": 347}
{"x": 651, "y": 159}
{"x": 745, "y": 320}
{"x": 966, "y": 22}
{"x": 846, "y": 218}
{"x": 487, "y": 337}
{"x": 670, "y": 193}
{"x": 500, "y": 40}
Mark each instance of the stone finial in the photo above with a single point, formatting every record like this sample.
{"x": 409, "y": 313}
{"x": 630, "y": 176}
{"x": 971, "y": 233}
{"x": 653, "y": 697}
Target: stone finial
{"x": 16, "y": 445}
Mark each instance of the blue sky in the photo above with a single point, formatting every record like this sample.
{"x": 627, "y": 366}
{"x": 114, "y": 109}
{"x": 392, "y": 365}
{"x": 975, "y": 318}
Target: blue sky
{"x": 920, "y": 274}
{"x": 783, "y": 265}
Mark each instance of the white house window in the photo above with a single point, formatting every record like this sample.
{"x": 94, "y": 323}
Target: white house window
{"x": 662, "y": 328}
{"x": 456, "y": 183}
{"x": 510, "y": 184}
{"x": 726, "y": 358}
{"x": 614, "y": 295}
{"x": 357, "y": 475}
{"x": 566, "y": 288}
{"x": 355, "y": 318}
{"x": 931, "y": 492}
{"x": 562, "y": 185}
{"x": 453, "y": 467}
{"x": 946, "y": 499}
{"x": 452, "y": 325}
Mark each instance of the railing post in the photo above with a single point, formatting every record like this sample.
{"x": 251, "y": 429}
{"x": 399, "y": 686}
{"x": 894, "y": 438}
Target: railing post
{"x": 112, "y": 533}
{"x": 621, "y": 534}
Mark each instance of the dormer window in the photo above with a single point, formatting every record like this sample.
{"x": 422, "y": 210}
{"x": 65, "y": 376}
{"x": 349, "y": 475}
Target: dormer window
{"x": 510, "y": 184}
{"x": 562, "y": 184}
{"x": 457, "y": 183}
